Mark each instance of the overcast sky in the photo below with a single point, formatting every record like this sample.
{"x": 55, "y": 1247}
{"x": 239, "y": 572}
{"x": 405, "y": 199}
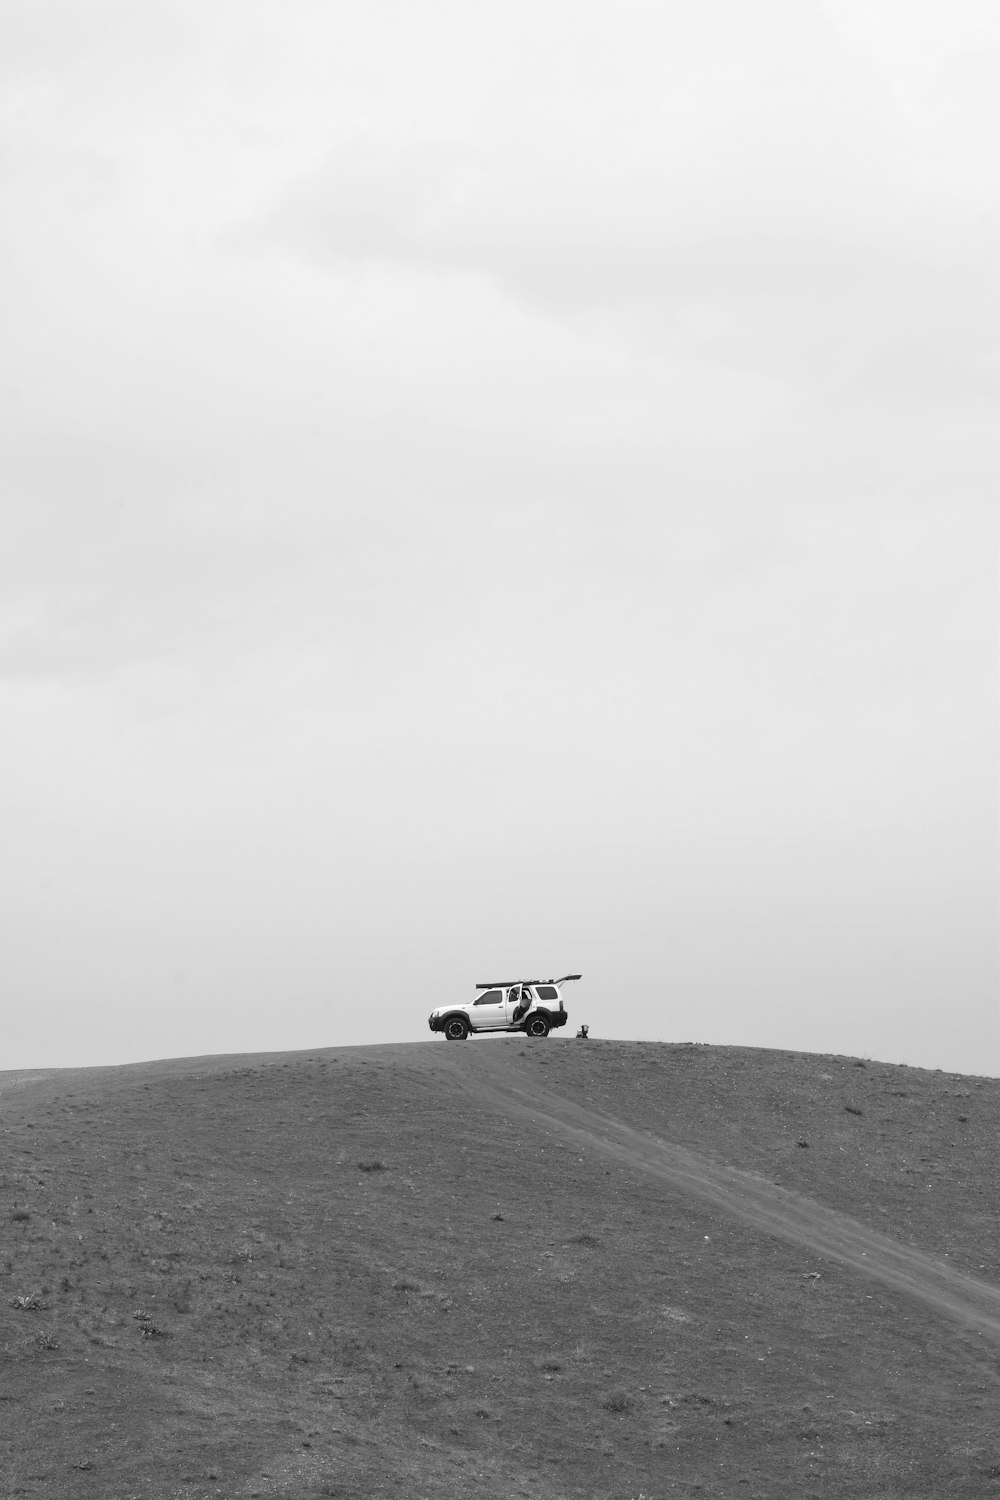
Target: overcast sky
{"x": 498, "y": 489}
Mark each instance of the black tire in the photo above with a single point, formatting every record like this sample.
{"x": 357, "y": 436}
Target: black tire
{"x": 537, "y": 1025}
{"x": 456, "y": 1029}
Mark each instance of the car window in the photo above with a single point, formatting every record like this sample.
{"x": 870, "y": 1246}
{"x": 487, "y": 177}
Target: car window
{"x": 547, "y": 992}
{"x": 492, "y": 997}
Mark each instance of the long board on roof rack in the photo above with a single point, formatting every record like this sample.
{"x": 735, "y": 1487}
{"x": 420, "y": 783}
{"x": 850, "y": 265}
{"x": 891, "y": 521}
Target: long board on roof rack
{"x": 500, "y": 984}
{"x": 533, "y": 1007}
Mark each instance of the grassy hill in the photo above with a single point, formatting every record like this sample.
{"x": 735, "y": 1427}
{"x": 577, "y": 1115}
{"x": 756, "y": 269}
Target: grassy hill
{"x": 548, "y": 1269}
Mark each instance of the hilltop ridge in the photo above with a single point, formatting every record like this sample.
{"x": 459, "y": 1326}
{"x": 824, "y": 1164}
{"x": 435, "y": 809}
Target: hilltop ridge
{"x": 535, "y": 1268}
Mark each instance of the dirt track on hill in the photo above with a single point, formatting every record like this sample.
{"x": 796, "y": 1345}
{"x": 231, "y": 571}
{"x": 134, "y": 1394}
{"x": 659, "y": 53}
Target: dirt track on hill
{"x": 787, "y": 1215}
{"x": 484, "y": 1070}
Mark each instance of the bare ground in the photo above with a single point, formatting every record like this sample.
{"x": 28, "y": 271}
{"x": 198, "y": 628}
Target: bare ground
{"x": 525, "y": 1269}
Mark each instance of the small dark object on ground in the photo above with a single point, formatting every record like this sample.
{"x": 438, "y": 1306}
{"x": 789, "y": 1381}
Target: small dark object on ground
{"x": 371, "y": 1166}
{"x": 802, "y": 1143}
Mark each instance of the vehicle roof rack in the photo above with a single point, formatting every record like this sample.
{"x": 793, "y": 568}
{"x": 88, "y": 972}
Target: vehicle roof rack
{"x": 505, "y": 984}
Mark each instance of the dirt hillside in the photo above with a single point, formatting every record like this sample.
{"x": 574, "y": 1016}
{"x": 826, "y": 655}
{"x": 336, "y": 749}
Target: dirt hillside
{"x": 549, "y": 1269}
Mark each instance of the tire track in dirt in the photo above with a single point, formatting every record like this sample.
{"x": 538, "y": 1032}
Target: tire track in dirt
{"x": 744, "y": 1195}
{"x": 484, "y": 1072}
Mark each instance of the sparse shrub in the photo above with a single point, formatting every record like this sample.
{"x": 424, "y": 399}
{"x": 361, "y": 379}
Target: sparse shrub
{"x": 371, "y": 1166}
{"x": 20, "y": 1215}
{"x": 618, "y": 1402}
{"x": 147, "y": 1328}
{"x": 852, "y": 1109}
{"x": 588, "y": 1241}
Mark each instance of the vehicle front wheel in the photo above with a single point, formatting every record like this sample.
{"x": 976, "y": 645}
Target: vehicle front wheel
{"x": 537, "y": 1026}
{"x": 456, "y": 1029}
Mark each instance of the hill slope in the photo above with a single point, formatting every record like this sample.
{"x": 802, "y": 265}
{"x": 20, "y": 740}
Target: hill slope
{"x": 528, "y": 1269}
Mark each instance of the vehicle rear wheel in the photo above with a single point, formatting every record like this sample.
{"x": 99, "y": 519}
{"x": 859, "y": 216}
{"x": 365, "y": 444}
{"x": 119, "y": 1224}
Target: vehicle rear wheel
{"x": 456, "y": 1029}
{"x": 537, "y": 1026}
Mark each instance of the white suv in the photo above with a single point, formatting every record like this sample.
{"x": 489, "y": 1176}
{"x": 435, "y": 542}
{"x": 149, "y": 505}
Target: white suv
{"x": 532, "y": 1006}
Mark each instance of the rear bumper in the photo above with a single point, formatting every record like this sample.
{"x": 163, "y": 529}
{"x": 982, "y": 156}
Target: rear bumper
{"x": 554, "y": 1017}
